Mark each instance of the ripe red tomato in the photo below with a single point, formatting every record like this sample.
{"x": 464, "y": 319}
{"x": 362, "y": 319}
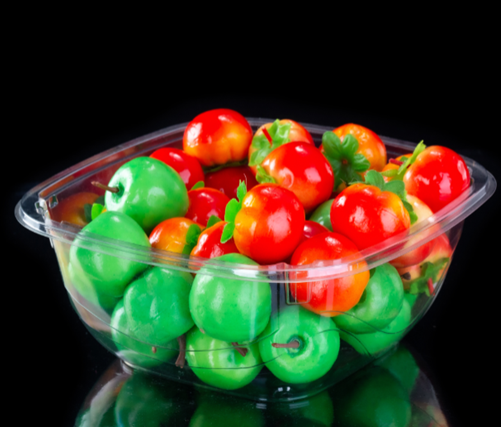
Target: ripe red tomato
{"x": 171, "y": 235}
{"x": 369, "y": 144}
{"x": 332, "y": 296}
{"x": 186, "y": 166}
{"x": 302, "y": 169}
{"x": 437, "y": 177}
{"x": 310, "y": 229}
{"x": 205, "y": 202}
{"x": 269, "y": 225}
{"x": 367, "y": 215}
{"x": 209, "y": 243}
{"x": 216, "y": 137}
{"x": 227, "y": 180}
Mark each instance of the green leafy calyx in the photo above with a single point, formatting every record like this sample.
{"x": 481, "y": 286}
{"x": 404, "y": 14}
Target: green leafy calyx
{"x": 279, "y": 134}
{"x": 429, "y": 271}
{"x": 199, "y": 184}
{"x": 399, "y": 174}
{"x": 213, "y": 220}
{"x": 232, "y": 208}
{"x": 191, "y": 238}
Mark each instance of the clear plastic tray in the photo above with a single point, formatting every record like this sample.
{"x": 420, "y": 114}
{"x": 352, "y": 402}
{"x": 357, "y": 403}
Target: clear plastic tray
{"x": 353, "y": 349}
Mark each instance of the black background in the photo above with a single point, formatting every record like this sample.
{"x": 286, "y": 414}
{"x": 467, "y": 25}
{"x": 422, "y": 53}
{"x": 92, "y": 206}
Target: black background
{"x": 69, "y": 109}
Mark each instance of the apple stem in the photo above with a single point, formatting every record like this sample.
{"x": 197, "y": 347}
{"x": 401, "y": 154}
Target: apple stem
{"x": 105, "y": 187}
{"x": 396, "y": 162}
{"x": 241, "y": 350}
{"x": 267, "y": 135}
{"x": 201, "y": 330}
{"x": 154, "y": 349}
{"x": 430, "y": 286}
{"x": 292, "y": 344}
{"x": 182, "y": 351}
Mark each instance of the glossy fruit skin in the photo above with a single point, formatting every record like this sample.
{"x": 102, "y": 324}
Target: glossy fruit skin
{"x": 437, "y": 177}
{"x": 218, "y": 136}
{"x": 382, "y": 301}
{"x": 205, "y": 202}
{"x": 328, "y": 297}
{"x": 170, "y": 235}
{"x": 270, "y": 224}
{"x": 297, "y": 133}
{"x": 227, "y": 180}
{"x": 209, "y": 243}
{"x": 230, "y": 309}
{"x": 156, "y": 304}
{"x": 318, "y": 351}
{"x": 370, "y": 145}
{"x": 219, "y": 364}
{"x": 322, "y": 214}
{"x": 302, "y": 169}
{"x": 131, "y": 349}
{"x": 186, "y": 166}
{"x": 367, "y": 215}
{"x": 310, "y": 229}
{"x": 97, "y": 275}
{"x": 71, "y": 209}
{"x": 149, "y": 192}
{"x": 419, "y": 254}
{"x": 374, "y": 343}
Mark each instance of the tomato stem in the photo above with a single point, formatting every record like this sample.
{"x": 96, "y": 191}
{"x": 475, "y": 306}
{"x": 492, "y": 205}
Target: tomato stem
{"x": 292, "y": 344}
{"x": 105, "y": 187}
{"x": 242, "y": 351}
{"x": 430, "y": 286}
{"x": 182, "y": 351}
{"x": 396, "y": 162}
{"x": 267, "y": 135}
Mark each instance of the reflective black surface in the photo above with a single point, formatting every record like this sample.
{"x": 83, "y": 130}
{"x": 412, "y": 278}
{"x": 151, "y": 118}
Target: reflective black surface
{"x": 53, "y": 359}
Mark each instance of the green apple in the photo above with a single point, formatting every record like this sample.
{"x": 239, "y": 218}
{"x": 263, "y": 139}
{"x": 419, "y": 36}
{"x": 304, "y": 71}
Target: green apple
{"x": 149, "y": 191}
{"x": 313, "y": 340}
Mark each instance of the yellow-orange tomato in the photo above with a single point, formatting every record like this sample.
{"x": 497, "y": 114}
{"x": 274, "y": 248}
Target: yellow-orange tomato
{"x": 71, "y": 209}
{"x": 217, "y": 137}
{"x": 369, "y": 144}
{"x": 170, "y": 235}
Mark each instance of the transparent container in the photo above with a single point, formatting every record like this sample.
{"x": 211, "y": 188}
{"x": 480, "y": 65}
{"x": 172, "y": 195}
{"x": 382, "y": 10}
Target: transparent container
{"x": 276, "y": 349}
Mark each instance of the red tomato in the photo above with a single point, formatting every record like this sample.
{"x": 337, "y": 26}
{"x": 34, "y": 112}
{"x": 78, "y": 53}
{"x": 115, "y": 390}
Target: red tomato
{"x": 297, "y": 133}
{"x": 269, "y": 225}
{"x": 437, "y": 177}
{"x": 367, "y": 215}
{"x": 186, "y": 166}
{"x": 369, "y": 144}
{"x": 302, "y": 169}
{"x": 310, "y": 229}
{"x": 419, "y": 254}
{"x": 217, "y": 137}
{"x": 71, "y": 209}
{"x": 209, "y": 243}
{"x": 170, "y": 235}
{"x": 328, "y": 297}
{"x": 227, "y": 180}
{"x": 205, "y": 202}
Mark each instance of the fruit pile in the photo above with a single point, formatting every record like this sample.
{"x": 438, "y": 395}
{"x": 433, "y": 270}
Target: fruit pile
{"x": 243, "y": 198}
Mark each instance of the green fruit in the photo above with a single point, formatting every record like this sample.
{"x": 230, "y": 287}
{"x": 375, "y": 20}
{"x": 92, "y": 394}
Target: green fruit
{"x": 230, "y": 309}
{"x": 157, "y": 306}
{"x": 102, "y": 277}
{"x": 149, "y": 191}
{"x": 377, "y": 342}
{"x": 402, "y": 365}
{"x": 380, "y": 303}
{"x": 318, "y": 345}
{"x": 218, "y": 363}
{"x": 322, "y": 214}
{"x": 133, "y": 350}
{"x": 315, "y": 410}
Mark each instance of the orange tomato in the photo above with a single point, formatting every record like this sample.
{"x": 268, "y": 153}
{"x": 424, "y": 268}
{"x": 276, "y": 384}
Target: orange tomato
{"x": 170, "y": 235}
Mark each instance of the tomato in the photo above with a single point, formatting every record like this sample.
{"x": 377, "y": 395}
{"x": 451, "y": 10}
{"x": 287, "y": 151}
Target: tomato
{"x": 216, "y": 137}
{"x": 226, "y": 180}
{"x": 269, "y": 225}
{"x": 333, "y": 296}
{"x": 421, "y": 252}
{"x": 72, "y": 209}
{"x": 437, "y": 177}
{"x": 396, "y": 166}
{"x": 209, "y": 243}
{"x": 367, "y": 215}
{"x": 186, "y": 166}
{"x": 296, "y": 132}
{"x": 302, "y": 169}
{"x": 174, "y": 235}
{"x": 205, "y": 202}
{"x": 310, "y": 229}
{"x": 370, "y": 145}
